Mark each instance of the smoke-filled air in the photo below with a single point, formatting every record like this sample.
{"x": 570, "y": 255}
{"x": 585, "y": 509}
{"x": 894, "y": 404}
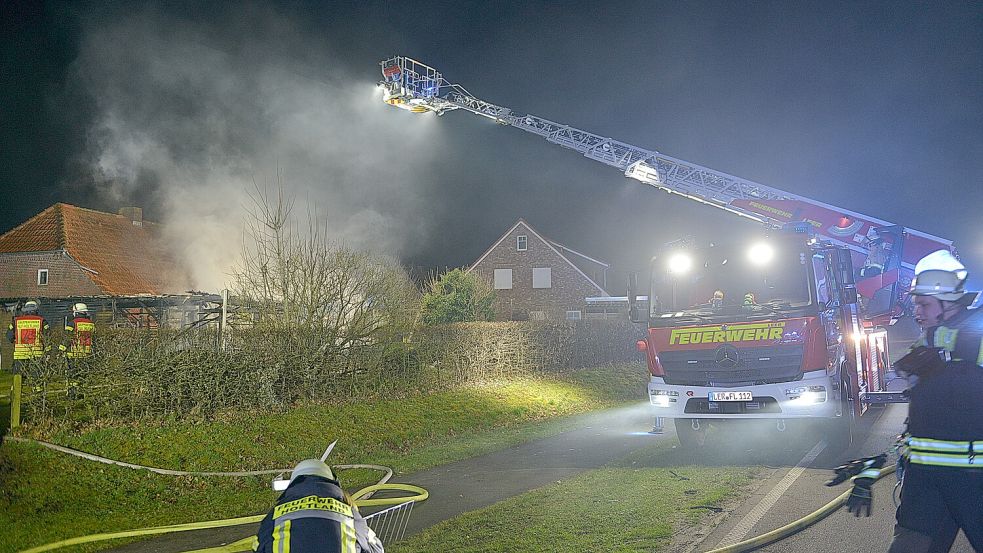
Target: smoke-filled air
{"x": 190, "y": 118}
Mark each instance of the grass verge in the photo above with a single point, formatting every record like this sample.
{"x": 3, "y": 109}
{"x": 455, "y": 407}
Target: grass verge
{"x": 47, "y": 496}
{"x": 605, "y": 510}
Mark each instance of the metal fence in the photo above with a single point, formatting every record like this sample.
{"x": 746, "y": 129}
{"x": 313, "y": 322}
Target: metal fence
{"x": 390, "y": 524}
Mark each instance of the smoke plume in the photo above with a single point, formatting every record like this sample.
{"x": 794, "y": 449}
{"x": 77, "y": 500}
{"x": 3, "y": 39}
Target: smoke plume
{"x": 190, "y": 116}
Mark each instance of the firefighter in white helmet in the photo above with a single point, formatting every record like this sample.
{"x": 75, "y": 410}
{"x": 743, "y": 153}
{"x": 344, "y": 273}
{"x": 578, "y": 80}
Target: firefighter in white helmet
{"x": 943, "y": 454}
{"x": 314, "y": 515}
{"x": 80, "y": 331}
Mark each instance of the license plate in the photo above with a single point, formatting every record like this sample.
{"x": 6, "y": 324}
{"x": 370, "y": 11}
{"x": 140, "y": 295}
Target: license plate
{"x": 734, "y": 395}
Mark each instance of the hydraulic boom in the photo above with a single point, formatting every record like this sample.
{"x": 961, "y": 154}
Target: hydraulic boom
{"x": 411, "y": 85}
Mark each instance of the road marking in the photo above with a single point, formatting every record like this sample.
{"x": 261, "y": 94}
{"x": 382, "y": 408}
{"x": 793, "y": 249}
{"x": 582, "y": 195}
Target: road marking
{"x": 744, "y": 527}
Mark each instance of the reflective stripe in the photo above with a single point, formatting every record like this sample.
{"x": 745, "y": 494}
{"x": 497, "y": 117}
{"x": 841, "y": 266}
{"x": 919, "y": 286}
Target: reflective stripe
{"x": 314, "y": 513}
{"x": 348, "y": 539}
{"x": 313, "y": 502}
{"x": 938, "y": 445}
{"x": 281, "y": 537}
{"x": 979, "y": 358}
{"x": 942, "y": 460}
{"x": 869, "y": 473}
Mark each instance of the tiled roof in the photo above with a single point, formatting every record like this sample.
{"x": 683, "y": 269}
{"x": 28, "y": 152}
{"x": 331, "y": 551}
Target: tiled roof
{"x": 120, "y": 257}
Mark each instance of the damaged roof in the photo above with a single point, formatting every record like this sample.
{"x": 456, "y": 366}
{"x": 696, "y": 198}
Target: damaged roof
{"x": 120, "y": 256}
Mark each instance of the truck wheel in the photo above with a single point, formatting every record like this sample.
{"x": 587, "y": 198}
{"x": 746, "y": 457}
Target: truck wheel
{"x": 689, "y": 438}
{"x": 840, "y": 430}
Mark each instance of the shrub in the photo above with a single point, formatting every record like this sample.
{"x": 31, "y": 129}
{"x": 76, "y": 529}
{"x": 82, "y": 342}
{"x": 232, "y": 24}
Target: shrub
{"x": 457, "y": 297}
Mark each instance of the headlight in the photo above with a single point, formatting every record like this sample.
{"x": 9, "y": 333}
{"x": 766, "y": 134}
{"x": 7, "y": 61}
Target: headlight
{"x": 807, "y": 395}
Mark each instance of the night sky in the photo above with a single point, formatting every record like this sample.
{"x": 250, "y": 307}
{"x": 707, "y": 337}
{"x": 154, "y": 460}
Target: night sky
{"x": 183, "y": 109}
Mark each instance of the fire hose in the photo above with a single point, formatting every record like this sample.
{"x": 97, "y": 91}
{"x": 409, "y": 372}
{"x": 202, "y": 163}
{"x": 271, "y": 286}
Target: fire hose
{"x": 361, "y": 498}
{"x": 794, "y": 526}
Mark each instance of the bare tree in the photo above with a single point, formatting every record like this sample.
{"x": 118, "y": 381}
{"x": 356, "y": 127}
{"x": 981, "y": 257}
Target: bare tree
{"x": 330, "y": 297}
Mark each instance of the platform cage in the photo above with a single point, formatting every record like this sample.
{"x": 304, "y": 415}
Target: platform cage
{"x": 416, "y": 79}
{"x": 390, "y": 524}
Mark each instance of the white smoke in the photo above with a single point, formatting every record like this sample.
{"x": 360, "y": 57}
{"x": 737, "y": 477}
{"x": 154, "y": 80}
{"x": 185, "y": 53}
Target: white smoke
{"x": 190, "y": 116}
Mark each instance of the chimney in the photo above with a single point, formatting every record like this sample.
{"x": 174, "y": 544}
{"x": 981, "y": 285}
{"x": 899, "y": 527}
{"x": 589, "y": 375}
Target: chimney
{"x": 134, "y": 214}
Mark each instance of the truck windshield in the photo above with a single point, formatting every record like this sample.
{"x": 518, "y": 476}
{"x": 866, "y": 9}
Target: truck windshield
{"x": 724, "y": 283}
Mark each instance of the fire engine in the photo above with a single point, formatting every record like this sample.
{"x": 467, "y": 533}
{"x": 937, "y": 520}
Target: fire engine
{"x": 791, "y": 327}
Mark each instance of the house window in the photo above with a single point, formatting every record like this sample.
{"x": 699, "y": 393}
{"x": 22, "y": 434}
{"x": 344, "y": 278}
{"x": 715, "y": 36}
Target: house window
{"x": 542, "y": 277}
{"x": 42, "y": 277}
{"x": 503, "y": 279}
{"x": 521, "y": 243}
{"x": 574, "y": 315}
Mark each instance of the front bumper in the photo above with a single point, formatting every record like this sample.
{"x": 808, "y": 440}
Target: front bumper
{"x": 801, "y": 399}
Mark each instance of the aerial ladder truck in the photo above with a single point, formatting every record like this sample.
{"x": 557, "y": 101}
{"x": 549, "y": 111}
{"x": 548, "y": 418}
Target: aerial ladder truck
{"x": 805, "y": 338}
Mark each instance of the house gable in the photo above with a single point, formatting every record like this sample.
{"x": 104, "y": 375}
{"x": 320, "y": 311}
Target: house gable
{"x": 543, "y": 282}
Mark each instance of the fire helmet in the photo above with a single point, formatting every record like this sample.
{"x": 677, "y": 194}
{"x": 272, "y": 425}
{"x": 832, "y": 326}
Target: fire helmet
{"x": 314, "y": 467}
{"x": 30, "y": 307}
{"x": 941, "y": 275}
{"x": 80, "y": 308}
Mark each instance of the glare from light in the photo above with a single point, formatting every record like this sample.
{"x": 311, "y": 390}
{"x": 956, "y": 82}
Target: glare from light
{"x": 859, "y": 337}
{"x": 660, "y": 401}
{"x": 760, "y": 254}
{"x": 680, "y": 263}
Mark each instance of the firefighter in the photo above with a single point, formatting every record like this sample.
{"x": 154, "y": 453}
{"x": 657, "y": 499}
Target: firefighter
{"x": 943, "y": 481}
{"x": 80, "y": 331}
{"x": 27, "y": 332}
{"x": 749, "y": 299}
{"x": 943, "y": 455}
{"x": 717, "y": 301}
{"x": 314, "y": 515}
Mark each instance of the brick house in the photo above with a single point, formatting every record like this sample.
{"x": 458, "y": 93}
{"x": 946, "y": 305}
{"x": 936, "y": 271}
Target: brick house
{"x": 537, "y": 278}
{"x": 68, "y": 251}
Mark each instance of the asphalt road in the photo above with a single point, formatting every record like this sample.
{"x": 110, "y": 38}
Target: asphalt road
{"x": 840, "y": 531}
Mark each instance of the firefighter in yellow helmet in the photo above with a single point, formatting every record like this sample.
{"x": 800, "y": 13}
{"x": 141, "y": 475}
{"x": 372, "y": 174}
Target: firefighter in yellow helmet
{"x": 314, "y": 515}
{"x": 942, "y": 464}
{"x": 28, "y": 332}
{"x": 80, "y": 331}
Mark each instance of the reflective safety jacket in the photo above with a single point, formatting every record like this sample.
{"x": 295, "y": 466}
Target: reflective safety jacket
{"x": 313, "y": 516}
{"x": 81, "y": 330}
{"x": 27, "y": 333}
{"x": 945, "y": 413}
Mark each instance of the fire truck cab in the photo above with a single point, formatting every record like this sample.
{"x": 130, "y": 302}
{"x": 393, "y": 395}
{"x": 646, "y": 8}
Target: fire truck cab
{"x": 770, "y": 329}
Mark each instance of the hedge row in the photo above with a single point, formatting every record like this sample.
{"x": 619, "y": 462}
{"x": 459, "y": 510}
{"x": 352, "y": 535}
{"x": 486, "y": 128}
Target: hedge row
{"x": 138, "y": 374}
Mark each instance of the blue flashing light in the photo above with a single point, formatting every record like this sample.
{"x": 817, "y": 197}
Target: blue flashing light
{"x": 797, "y": 227}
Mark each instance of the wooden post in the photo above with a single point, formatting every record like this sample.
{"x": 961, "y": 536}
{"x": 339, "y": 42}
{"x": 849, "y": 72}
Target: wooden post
{"x": 223, "y": 324}
{"x": 15, "y": 402}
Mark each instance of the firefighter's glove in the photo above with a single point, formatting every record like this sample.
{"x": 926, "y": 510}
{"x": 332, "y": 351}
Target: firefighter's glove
{"x": 920, "y": 361}
{"x": 861, "y": 497}
{"x": 852, "y": 468}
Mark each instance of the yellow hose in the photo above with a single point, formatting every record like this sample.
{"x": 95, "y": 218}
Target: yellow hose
{"x": 243, "y": 544}
{"x": 146, "y": 532}
{"x": 795, "y": 526}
